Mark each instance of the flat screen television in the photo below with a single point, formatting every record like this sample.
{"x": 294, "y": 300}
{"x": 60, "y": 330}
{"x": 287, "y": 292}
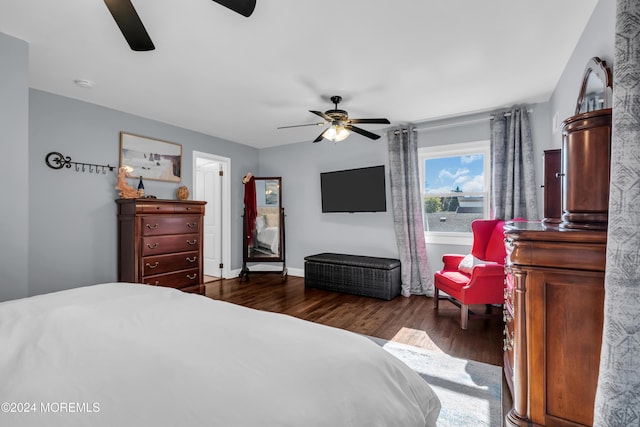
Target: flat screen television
{"x": 354, "y": 190}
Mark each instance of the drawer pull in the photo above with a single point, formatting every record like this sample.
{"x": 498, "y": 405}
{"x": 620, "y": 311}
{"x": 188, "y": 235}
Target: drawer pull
{"x": 153, "y": 266}
{"x": 154, "y": 284}
{"x": 154, "y": 246}
{"x": 507, "y": 342}
{"x": 192, "y": 224}
{"x": 151, "y": 227}
{"x": 192, "y": 259}
{"x": 193, "y": 276}
{"x": 192, "y": 242}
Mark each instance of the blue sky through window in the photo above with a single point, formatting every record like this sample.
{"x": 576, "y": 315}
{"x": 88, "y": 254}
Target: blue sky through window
{"x": 445, "y": 174}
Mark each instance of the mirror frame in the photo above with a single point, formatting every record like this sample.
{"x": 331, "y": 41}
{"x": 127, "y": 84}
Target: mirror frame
{"x": 280, "y": 256}
{"x": 600, "y": 69}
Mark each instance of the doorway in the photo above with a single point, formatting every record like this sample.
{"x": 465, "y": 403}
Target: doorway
{"x": 211, "y": 183}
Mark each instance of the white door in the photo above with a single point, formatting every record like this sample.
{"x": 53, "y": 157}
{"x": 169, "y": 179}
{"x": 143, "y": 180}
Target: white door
{"x": 210, "y": 173}
{"x": 208, "y": 188}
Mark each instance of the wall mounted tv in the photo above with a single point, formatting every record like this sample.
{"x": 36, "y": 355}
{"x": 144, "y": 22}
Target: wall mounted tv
{"x": 354, "y": 190}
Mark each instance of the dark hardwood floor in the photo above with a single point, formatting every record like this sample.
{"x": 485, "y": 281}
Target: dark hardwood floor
{"x": 410, "y": 321}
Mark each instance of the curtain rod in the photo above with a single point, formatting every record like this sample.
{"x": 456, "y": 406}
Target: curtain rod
{"x": 451, "y": 125}
{"x": 465, "y": 122}
{"x": 508, "y": 114}
{"x": 397, "y": 131}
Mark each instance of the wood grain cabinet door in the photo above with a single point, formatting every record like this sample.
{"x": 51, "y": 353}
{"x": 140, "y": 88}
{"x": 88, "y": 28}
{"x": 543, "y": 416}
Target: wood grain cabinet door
{"x": 565, "y": 318}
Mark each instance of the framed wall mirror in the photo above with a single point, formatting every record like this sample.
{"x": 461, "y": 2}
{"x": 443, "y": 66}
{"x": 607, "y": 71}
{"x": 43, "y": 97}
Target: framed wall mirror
{"x": 263, "y": 224}
{"x": 596, "y": 92}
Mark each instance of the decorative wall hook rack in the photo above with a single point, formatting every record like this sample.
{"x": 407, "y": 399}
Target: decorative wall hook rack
{"x": 56, "y": 160}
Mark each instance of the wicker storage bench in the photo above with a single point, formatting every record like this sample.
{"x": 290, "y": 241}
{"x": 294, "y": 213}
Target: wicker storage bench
{"x": 360, "y": 275}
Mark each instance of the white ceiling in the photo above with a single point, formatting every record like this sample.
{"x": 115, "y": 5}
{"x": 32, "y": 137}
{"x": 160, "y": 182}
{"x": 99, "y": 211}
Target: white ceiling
{"x": 219, "y": 73}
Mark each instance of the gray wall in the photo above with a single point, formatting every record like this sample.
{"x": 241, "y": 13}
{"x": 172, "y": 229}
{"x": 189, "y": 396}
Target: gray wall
{"x": 308, "y": 230}
{"x": 72, "y": 215}
{"x": 598, "y": 40}
{"x": 14, "y": 167}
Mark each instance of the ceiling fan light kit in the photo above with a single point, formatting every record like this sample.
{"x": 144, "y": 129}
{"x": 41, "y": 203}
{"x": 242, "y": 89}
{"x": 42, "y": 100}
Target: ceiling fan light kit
{"x": 340, "y": 124}
{"x": 335, "y": 133}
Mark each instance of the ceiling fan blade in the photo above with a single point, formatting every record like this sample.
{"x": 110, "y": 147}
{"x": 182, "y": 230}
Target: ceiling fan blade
{"x": 321, "y": 114}
{"x": 320, "y": 137}
{"x": 130, "y": 24}
{"x": 362, "y": 132}
{"x": 379, "y": 121}
{"x": 298, "y": 126}
{"x": 243, "y": 7}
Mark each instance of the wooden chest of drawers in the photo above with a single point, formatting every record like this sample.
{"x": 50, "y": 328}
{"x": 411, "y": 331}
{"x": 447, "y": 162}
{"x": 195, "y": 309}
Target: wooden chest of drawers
{"x": 160, "y": 243}
{"x": 554, "y": 311}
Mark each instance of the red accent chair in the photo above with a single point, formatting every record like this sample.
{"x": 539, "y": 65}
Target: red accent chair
{"x": 486, "y": 281}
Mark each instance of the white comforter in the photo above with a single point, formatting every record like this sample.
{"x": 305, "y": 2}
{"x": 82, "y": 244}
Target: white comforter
{"x": 134, "y": 355}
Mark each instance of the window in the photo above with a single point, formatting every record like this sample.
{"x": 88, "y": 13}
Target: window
{"x": 455, "y": 187}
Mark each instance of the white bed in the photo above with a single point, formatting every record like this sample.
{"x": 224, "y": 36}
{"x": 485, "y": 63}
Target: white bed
{"x": 121, "y": 355}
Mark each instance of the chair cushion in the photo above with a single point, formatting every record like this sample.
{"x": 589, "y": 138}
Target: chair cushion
{"x": 468, "y": 262}
{"x": 451, "y": 282}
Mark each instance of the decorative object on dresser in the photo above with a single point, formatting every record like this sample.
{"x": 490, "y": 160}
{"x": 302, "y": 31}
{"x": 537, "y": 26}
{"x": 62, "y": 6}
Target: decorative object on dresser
{"x": 361, "y": 275}
{"x": 126, "y": 191}
{"x": 554, "y": 316}
{"x": 140, "y": 188}
{"x": 477, "y": 278}
{"x": 586, "y": 152}
{"x": 182, "y": 193}
{"x": 160, "y": 243}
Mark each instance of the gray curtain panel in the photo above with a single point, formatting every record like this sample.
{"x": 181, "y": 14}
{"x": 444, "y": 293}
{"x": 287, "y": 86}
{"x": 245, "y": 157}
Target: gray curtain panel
{"x": 513, "y": 184}
{"x": 406, "y": 202}
{"x": 618, "y": 394}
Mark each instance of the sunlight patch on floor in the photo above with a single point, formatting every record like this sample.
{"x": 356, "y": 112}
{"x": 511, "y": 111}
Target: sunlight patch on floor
{"x": 415, "y": 337}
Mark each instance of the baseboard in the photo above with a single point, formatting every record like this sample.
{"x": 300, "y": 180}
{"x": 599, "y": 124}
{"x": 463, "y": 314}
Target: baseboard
{"x": 297, "y": 272}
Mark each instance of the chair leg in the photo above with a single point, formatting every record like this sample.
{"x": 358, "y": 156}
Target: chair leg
{"x": 464, "y": 316}
{"x": 436, "y": 298}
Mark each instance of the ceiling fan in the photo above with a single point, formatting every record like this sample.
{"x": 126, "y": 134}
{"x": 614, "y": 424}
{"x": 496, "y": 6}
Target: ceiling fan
{"x": 340, "y": 124}
{"x": 136, "y": 35}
